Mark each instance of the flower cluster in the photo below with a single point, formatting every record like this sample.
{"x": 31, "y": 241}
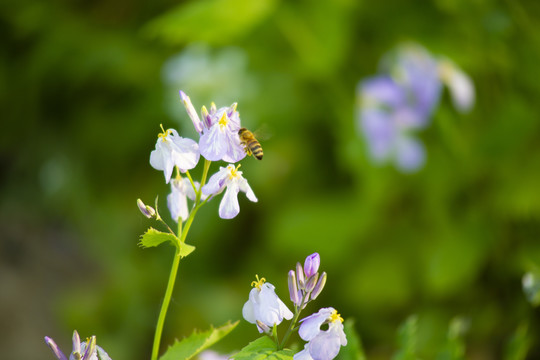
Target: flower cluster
{"x": 305, "y": 284}
{"x": 218, "y": 140}
{"x": 401, "y": 100}
{"x": 265, "y": 309}
{"x": 87, "y": 350}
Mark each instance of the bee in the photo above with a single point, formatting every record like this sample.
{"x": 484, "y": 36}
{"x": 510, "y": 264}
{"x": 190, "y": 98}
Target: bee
{"x": 252, "y": 146}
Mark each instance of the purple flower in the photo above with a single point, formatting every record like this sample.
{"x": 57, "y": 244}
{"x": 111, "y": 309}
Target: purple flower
{"x": 311, "y": 265}
{"x": 265, "y": 306}
{"x": 400, "y": 102}
{"x": 321, "y": 344}
{"x": 219, "y": 131}
{"x": 87, "y": 350}
{"x": 231, "y": 179}
{"x": 173, "y": 150}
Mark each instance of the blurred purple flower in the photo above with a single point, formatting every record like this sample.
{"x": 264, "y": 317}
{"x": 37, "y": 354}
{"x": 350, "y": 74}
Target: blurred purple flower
{"x": 400, "y": 102}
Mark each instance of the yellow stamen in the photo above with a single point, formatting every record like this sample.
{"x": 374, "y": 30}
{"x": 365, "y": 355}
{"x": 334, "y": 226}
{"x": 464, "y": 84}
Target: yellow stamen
{"x": 335, "y": 317}
{"x": 164, "y": 134}
{"x": 223, "y": 121}
{"x": 234, "y": 172}
{"x": 258, "y": 283}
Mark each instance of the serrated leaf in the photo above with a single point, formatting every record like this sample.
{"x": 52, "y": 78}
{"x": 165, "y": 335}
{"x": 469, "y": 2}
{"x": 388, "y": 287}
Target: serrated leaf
{"x": 407, "y": 339}
{"x": 211, "y": 21}
{"x": 186, "y": 249}
{"x": 354, "y": 349}
{"x": 263, "y": 349}
{"x": 153, "y": 237}
{"x": 197, "y": 342}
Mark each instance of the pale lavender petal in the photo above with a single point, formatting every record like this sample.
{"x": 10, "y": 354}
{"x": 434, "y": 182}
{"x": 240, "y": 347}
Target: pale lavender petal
{"x": 248, "y": 311}
{"x": 102, "y": 354}
{"x": 229, "y": 207}
{"x": 419, "y": 73}
{"x": 410, "y": 154}
{"x": 244, "y": 187}
{"x": 324, "y": 346}
{"x": 407, "y": 118}
{"x": 311, "y": 325}
{"x": 214, "y": 143}
{"x": 57, "y": 352}
{"x": 311, "y": 264}
{"x": 185, "y": 153}
{"x": 217, "y": 182}
{"x": 381, "y": 90}
{"x": 235, "y": 151}
{"x": 197, "y": 123}
{"x": 336, "y": 328}
{"x": 379, "y": 132}
{"x": 177, "y": 201}
{"x": 76, "y": 340}
{"x": 304, "y": 354}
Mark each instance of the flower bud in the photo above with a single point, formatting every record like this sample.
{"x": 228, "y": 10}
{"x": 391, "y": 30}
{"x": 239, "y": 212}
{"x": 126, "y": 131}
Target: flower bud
{"x": 57, "y": 352}
{"x": 319, "y": 286}
{"x": 293, "y": 288}
{"x": 146, "y": 210}
{"x": 76, "y": 342}
{"x": 90, "y": 348}
{"x": 263, "y": 327}
{"x": 311, "y": 265}
{"x": 311, "y": 282}
{"x": 300, "y": 275}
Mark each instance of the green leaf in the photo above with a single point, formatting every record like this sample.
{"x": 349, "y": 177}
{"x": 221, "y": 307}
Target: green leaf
{"x": 153, "y": 237}
{"x": 211, "y": 21}
{"x": 519, "y": 344}
{"x": 197, "y": 342}
{"x": 407, "y": 339}
{"x": 186, "y": 249}
{"x": 263, "y": 348}
{"x": 354, "y": 349}
{"x": 455, "y": 343}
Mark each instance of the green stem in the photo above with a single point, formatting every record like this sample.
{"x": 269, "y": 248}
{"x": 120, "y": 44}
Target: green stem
{"x": 182, "y": 233}
{"x": 290, "y": 329}
{"x": 297, "y": 310}
{"x": 165, "y": 304}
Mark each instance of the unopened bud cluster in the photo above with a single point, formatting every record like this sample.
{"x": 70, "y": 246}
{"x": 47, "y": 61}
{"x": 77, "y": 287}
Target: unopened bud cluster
{"x": 305, "y": 284}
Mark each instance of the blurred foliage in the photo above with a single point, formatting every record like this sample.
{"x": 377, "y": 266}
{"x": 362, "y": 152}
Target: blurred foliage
{"x": 85, "y": 85}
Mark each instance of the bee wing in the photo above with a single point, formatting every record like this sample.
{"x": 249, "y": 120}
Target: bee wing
{"x": 263, "y": 132}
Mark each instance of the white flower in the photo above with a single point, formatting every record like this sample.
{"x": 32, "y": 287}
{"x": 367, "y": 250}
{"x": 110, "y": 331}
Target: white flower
{"x": 264, "y": 305}
{"x": 459, "y": 83}
{"x": 173, "y": 150}
{"x": 322, "y": 344}
{"x": 231, "y": 179}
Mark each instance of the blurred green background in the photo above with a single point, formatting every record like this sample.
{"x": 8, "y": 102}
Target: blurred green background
{"x": 85, "y": 85}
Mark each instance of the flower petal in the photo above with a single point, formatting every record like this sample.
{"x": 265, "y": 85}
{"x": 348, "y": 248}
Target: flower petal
{"x": 229, "y": 207}
{"x": 410, "y": 154}
{"x": 197, "y": 123}
{"x": 311, "y": 325}
{"x": 217, "y": 182}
